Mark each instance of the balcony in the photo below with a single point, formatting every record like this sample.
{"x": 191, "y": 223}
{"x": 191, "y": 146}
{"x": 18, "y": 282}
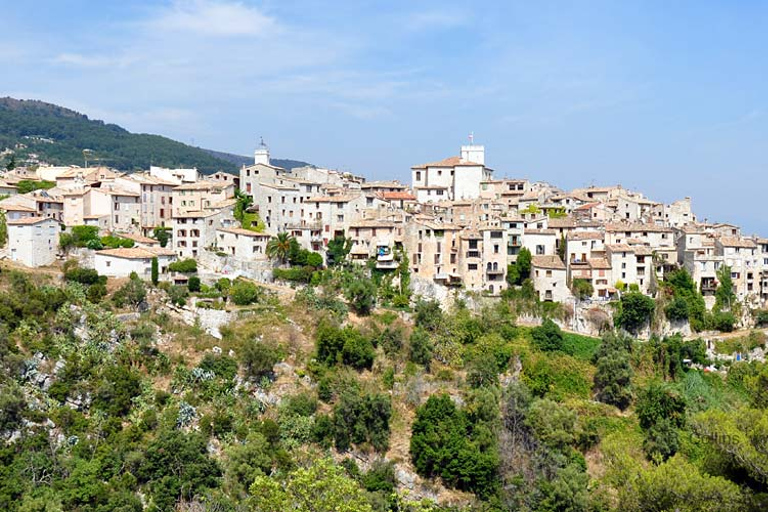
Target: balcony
{"x": 472, "y": 254}
{"x": 448, "y": 279}
{"x": 386, "y": 265}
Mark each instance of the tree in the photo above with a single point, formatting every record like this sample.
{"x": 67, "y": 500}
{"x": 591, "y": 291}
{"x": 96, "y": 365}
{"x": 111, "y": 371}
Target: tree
{"x": 155, "y": 271}
{"x": 636, "y": 310}
{"x": 739, "y": 436}
{"x": 725, "y": 298}
{"x": 361, "y": 294}
{"x": 677, "y": 310}
{"x": 613, "y": 378}
{"x": 322, "y": 487}
{"x": 445, "y": 443}
{"x": 193, "y": 284}
{"x": 131, "y": 293}
{"x": 420, "y": 347}
{"x": 519, "y": 271}
{"x": 279, "y": 247}
{"x": 258, "y": 359}
{"x": 582, "y": 288}
{"x": 675, "y": 485}
{"x": 11, "y": 165}
{"x": 162, "y": 235}
{"x": 429, "y": 315}
{"x": 548, "y": 337}
{"x": 177, "y": 465}
{"x": 3, "y": 229}
{"x": 337, "y": 250}
{"x": 244, "y": 292}
{"x": 661, "y": 411}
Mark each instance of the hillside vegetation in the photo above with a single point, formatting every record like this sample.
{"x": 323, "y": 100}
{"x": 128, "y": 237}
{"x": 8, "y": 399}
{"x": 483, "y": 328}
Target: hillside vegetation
{"x": 344, "y": 398}
{"x": 59, "y": 136}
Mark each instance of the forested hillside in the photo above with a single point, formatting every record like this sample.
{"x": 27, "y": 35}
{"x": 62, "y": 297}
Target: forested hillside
{"x": 59, "y": 136}
{"x": 343, "y": 397}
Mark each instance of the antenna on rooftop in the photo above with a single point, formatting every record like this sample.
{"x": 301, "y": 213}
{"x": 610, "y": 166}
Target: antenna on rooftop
{"x": 471, "y": 138}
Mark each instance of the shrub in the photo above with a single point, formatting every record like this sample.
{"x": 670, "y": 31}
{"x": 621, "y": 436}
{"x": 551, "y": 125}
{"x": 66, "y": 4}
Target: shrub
{"x": 188, "y": 266}
{"x": 761, "y": 318}
{"x": 582, "y": 288}
{"x": 361, "y": 294}
{"x": 723, "y": 321}
{"x": 258, "y": 359}
{"x": 244, "y": 292}
{"x": 193, "y": 284}
{"x": 548, "y": 337}
{"x": 677, "y": 310}
{"x": 636, "y": 309}
{"x": 347, "y": 345}
{"x": 362, "y": 419}
{"x": 420, "y": 347}
{"x": 444, "y": 443}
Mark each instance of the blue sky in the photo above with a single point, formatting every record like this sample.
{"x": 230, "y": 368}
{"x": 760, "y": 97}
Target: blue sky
{"x": 666, "y": 97}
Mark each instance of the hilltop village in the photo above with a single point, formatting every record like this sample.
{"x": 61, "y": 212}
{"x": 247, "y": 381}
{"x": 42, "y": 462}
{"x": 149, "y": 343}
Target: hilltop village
{"x": 456, "y": 224}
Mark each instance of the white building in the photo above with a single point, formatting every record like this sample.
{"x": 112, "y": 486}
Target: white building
{"x": 33, "y": 241}
{"x": 550, "y": 278}
{"x": 122, "y": 262}
{"x": 456, "y": 177}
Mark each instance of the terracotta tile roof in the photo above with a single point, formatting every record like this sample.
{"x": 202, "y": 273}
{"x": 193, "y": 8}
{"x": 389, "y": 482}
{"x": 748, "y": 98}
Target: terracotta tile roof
{"x": 245, "y": 232}
{"x": 733, "y": 241}
{"x": 402, "y": 195}
{"x": 635, "y": 228}
{"x": 27, "y": 221}
{"x": 138, "y": 238}
{"x": 586, "y": 235}
{"x": 540, "y": 232}
{"x": 331, "y": 199}
{"x": 550, "y": 262}
{"x": 562, "y": 223}
{"x": 194, "y": 214}
{"x": 136, "y": 253}
{"x": 599, "y": 264}
{"x": 11, "y": 207}
{"x": 619, "y": 248}
{"x": 201, "y": 185}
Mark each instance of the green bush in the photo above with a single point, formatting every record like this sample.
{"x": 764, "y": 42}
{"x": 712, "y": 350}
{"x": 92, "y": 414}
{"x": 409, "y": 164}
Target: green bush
{"x": 193, "y": 284}
{"x": 360, "y": 419}
{"x": 258, "y": 359}
{"x": 445, "y": 444}
{"x": 677, "y": 310}
{"x": 635, "y": 311}
{"x": 244, "y": 292}
{"x": 188, "y": 266}
{"x": 347, "y": 345}
{"x": 548, "y": 337}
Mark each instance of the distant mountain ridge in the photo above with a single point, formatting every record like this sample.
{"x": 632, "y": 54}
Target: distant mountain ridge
{"x": 58, "y": 135}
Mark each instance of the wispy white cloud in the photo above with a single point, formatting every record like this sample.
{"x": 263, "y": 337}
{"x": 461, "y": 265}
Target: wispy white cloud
{"x": 80, "y": 60}
{"x": 437, "y": 19}
{"x": 213, "y": 18}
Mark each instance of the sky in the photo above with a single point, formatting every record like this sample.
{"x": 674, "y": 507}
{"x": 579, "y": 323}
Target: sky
{"x": 669, "y": 98}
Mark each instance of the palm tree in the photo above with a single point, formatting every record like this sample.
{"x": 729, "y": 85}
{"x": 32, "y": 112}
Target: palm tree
{"x": 279, "y": 247}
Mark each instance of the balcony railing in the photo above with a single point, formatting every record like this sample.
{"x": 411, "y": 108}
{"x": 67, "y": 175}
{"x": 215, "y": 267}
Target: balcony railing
{"x": 472, "y": 254}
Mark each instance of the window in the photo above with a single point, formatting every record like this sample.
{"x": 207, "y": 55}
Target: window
{"x": 540, "y": 250}
{"x": 472, "y": 266}
{"x": 418, "y": 175}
